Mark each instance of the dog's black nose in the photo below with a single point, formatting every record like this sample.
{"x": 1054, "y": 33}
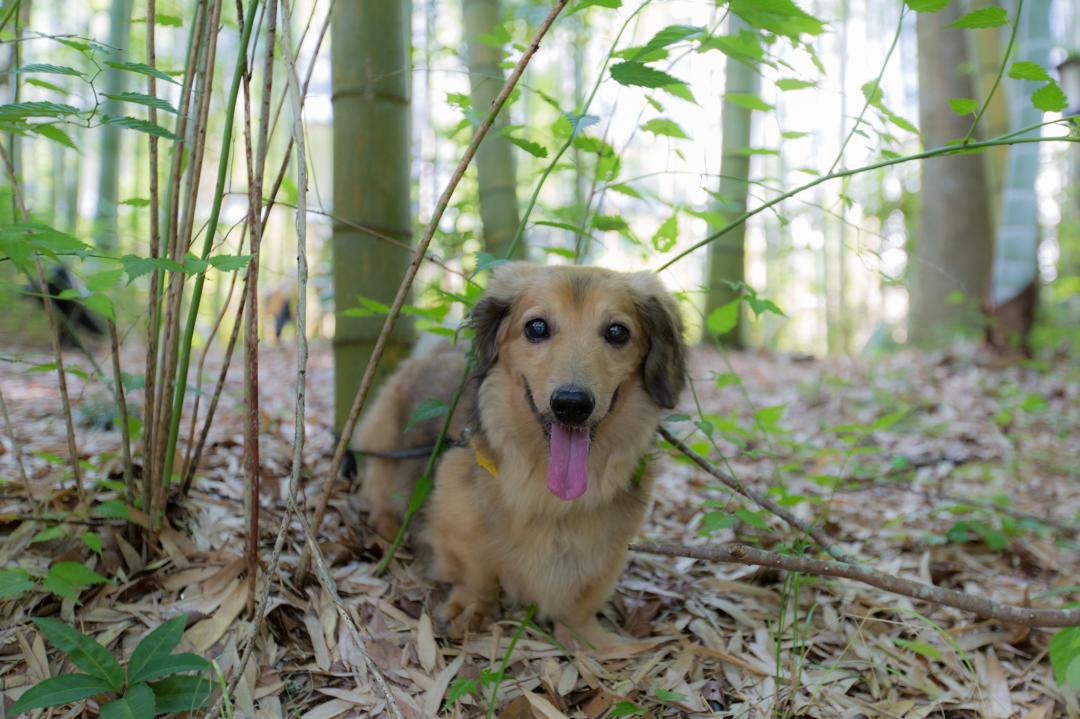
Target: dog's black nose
{"x": 572, "y": 405}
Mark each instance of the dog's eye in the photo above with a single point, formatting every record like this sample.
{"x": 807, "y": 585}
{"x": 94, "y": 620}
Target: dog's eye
{"x": 537, "y": 330}
{"x": 616, "y": 334}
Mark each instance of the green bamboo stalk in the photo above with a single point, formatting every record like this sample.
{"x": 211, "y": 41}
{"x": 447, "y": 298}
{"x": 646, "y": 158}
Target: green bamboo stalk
{"x": 208, "y": 241}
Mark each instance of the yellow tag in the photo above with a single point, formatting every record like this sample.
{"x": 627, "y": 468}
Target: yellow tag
{"x": 485, "y": 461}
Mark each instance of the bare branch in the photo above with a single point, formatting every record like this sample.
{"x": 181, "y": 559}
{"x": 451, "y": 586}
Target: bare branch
{"x": 980, "y": 606}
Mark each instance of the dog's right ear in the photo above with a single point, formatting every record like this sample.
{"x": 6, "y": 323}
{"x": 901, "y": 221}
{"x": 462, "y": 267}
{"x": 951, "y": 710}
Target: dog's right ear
{"x": 488, "y": 315}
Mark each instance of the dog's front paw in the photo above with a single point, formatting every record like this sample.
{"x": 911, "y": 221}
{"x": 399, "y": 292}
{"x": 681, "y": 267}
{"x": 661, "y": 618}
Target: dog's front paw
{"x": 464, "y": 613}
{"x": 587, "y": 636}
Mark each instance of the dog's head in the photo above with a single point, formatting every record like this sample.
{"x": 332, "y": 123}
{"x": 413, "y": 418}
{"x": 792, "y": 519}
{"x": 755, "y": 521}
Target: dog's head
{"x": 570, "y": 343}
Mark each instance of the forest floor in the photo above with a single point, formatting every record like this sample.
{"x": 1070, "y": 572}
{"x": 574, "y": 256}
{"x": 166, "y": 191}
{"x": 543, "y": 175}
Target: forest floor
{"x": 942, "y": 467}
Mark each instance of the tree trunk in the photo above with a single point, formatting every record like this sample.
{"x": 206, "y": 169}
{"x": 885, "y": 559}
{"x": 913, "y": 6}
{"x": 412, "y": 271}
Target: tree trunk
{"x": 1014, "y": 286}
{"x": 495, "y": 158}
{"x": 950, "y": 264}
{"x": 726, "y": 254}
{"x": 370, "y": 68}
{"x": 105, "y": 228}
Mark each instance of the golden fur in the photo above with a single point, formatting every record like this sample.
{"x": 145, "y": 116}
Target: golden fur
{"x": 509, "y": 531}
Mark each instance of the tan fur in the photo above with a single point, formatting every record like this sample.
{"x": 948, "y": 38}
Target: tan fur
{"x": 510, "y": 531}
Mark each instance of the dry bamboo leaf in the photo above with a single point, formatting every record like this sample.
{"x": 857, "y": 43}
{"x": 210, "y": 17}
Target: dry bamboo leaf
{"x": 318, "y": 641}
{"x": 328, "y": 710}
{"x": 353, "y": 697}
{"x": 426, "y": 649}
{"x": 543, "y": 708}
{"x": 996, "y": 700}
{"x": 433, "y": 696}
{"x": 206, "y": 633}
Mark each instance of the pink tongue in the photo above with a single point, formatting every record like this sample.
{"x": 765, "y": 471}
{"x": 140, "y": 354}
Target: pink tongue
{"x": 568, "y": 467}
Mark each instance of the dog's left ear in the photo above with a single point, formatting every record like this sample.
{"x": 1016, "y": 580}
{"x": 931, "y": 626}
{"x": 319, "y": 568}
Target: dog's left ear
{"x": 664, "y": 369}
{"x": 486, "y": 317}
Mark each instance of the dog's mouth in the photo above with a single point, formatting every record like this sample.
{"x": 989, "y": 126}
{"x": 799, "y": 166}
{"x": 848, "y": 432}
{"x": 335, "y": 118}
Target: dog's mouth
{"x": 568, "y": 450}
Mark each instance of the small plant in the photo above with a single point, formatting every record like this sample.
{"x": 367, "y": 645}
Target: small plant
{"x": 153, "y": 682}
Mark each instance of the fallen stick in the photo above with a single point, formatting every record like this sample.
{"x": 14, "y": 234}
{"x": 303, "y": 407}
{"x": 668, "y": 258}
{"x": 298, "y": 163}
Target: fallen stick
{"x": 981, "y": 606}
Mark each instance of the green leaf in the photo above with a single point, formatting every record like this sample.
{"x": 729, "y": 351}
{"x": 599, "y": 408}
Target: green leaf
{"x": 790, "y": 83}
{"x": 93, "y": 541}
{"x": 113, "y": 509}
{"x": 609, "y": 223}
{"x": 611, "y": 4}
{"x": 963, "y": 105}
{"x": 782, "y": 17}
{"x": 752, "y": 518}
{"x": 35, "y": 109}
{"x": 47, "y": 535}
{"x": 142, "y": 69}
{"x": 624, "y": 189}
{"x": 14, "y": 582}
{"x": 1024, "y": 70}
{"x": 921, "y": 648}
{"x": 460, "y": 687}
{"x": 427, "y": 409}
{"x": 724, "y": 318}
{"x": 625, "y": 709}
{"x": 794, "y": 134}
{"x": 136, "y": 266}
{"x": 181, "y": 693}
{"x": 667, "y": 234}
{"x": 745, "y": 47}
{"x": 137, "y": 703}
{"x": 37, "y": 82}
{"x": 665, "y": 695}
{"x": 368, "y": 308}
{"x": 106, "y": 280}
{"x": 662, "y": 126}
{"x": 668, "y": 36}
{"x": 139, "y": 98}
{"x": 54, "y": 133}
{"x": 747, "y": 100}
{"x": 639, "y": 75}
{"x": 50, "y": 69}
{"x": 134, "y": 123}
{"x": 76, "y": 574}
{"x": 135, "y": 202}
{"x": 715, "y": 521}
{"x": 1065, "y": 657}
{"x": 533, "y": 148}
{"x": 83, "y": 651}
{"x": 1049, "y": 98}
{"x": 680, "y": 90}
{"x": 156, "y": 644}
{"x": 168, "y": 665}
{"x": 64, "y": 689}
{"x": 927, "y": 5}
{"x": 982, "y": 18}
{"x": 229, "y": 263}
{"x": 168, "y": 20}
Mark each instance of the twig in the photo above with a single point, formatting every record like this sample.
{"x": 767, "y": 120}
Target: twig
{"x": 121, "y": 405}
{"x": 414, "y": 265}
{"x": 1000, "y": 72}
{"x": 54, "y": 330}
{"x": 152, "y": 321}
{"x": 817, "y": 533}
{"x": 980, "y": 606}
{"x": 15, "y": 448}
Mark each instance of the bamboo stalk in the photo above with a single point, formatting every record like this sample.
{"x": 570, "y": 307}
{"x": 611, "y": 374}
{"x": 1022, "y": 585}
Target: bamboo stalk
{"x": 121, "y": 404}
{"x": 414, "y": 264}
{"x": 153, "y": 320}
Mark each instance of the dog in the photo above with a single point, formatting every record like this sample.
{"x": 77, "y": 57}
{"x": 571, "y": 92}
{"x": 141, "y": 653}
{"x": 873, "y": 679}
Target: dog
{"x": 546, "y": 483}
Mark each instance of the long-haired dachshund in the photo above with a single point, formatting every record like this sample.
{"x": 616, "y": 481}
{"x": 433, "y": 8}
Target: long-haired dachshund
{"x": 547, "y": 484}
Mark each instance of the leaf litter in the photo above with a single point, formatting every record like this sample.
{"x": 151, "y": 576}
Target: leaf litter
{"x": 945, "y": 467}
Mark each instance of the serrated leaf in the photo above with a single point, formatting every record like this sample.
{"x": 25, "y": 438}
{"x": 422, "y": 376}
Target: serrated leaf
{"x": 927, "y": 5}
{"x": 63, "y": 689}
{"x": 76, "y": 574}
{"x": 724, "y": 318}
{"x": 963, "y": 105}
{"x": 50, "y": 69}
{"x": 610, "y": 4}
{"x": 54, "y": 133}
{"x": 47, "y": 535}
{"x": 427, "y": 409}
{"x": 1049, "y": 98}
{"x": 638, "y": 75}
{"x": 142, "y": 69}
{"x": 747, "y": 100}
{"x": 93, "y": 541}
{"x": 82, "y": 651}
{"x": 665, "y": 127}
{"x": 14, "y": 582}
{"x": 45, "y": 84}
{"x": 113, "y": 509}
{"x": 715, "y": 521}
{"x": 170, "y": 664}
{"x": 782, "y": 17}
{"x": 667, "y": 234}
{"x": 624, "y": 189}
{"x": 666, "y": 695}
{"x": 104, "y": 280}
{"x": 982, "y": 18}
{"x": 668, "y": 36}
{"x": 533, "y": 148}
{"x": 229, "y": 263}
{"x": 155, "y": 644}
{"x": 790, "y": 83}
{"x": 35, "y": 109}
{"x": 139, "y": 98}
{"x": 1024, "y": 70}
{"x": 181, "y": 693}
{"x": 134, "y": 123}
{"x": 752, "y": 518}
{"x": 137, "y": 703}
{"x": 680, "y": 90}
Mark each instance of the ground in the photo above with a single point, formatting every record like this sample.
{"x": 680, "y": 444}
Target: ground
{"x": 946, "y": 467}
